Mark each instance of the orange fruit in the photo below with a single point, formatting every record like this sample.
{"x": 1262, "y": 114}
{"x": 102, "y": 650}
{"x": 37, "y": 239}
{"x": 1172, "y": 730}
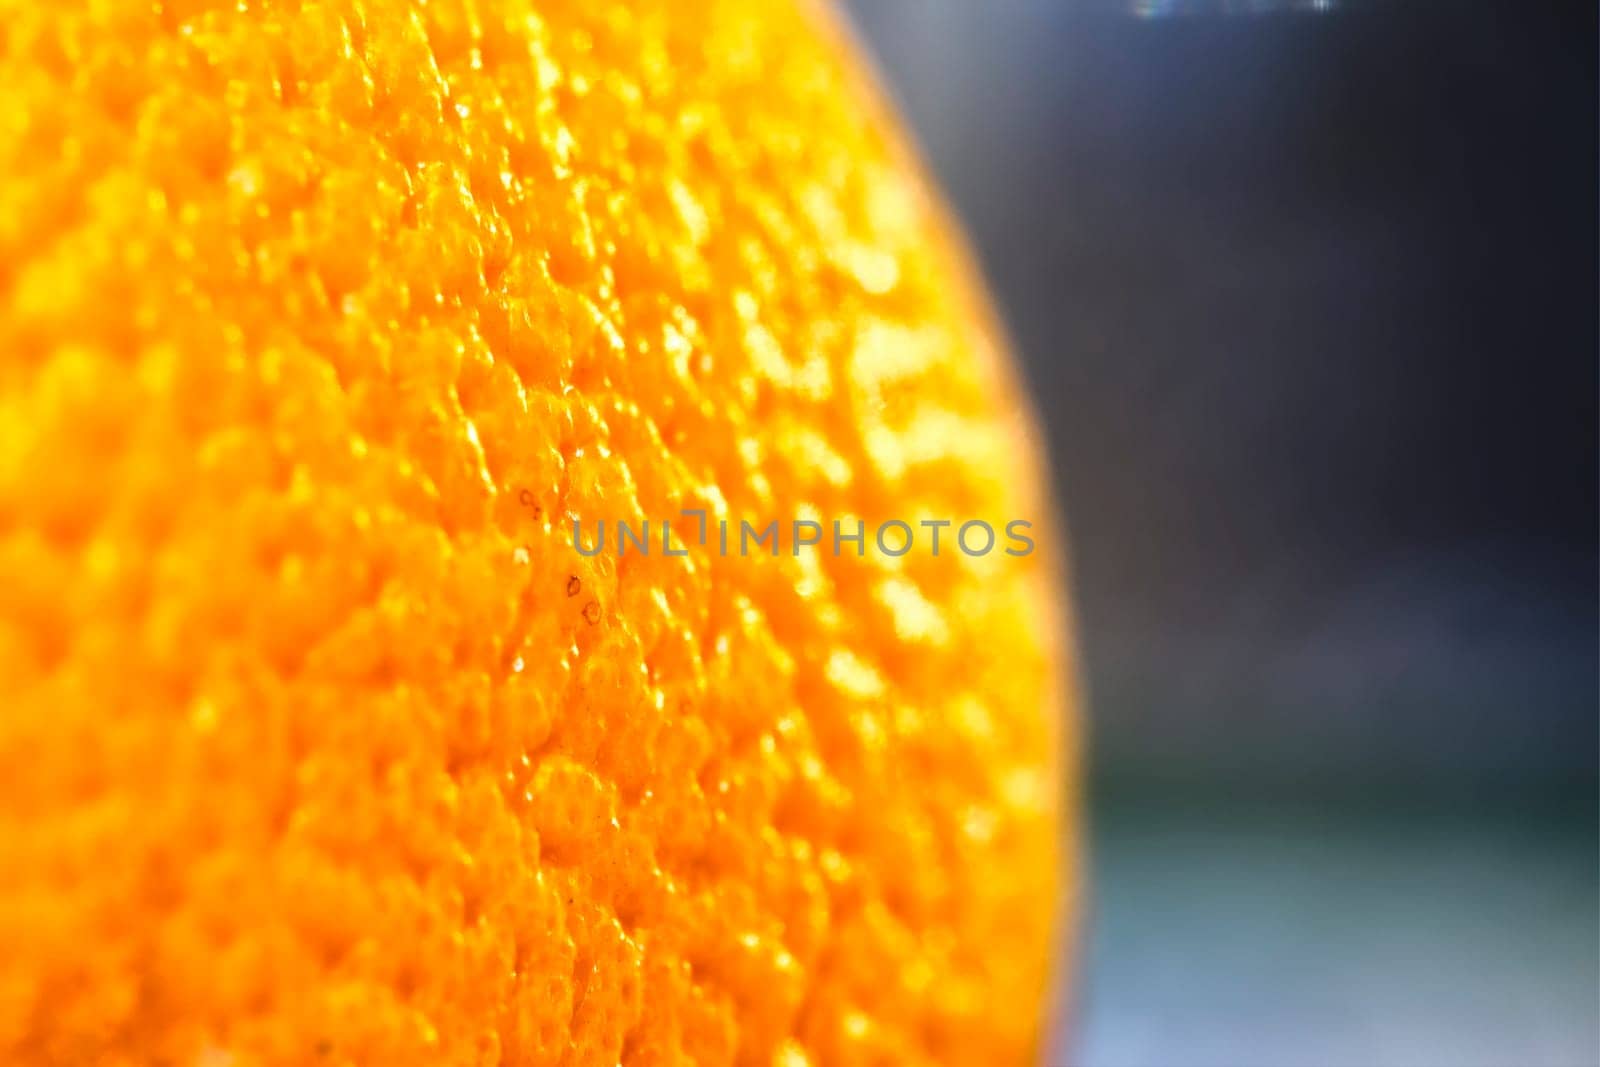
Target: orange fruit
{"x": 323, "y": 326}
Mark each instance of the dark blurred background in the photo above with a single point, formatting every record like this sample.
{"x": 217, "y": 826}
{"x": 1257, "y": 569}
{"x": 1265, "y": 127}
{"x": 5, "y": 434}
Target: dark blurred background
{"x": 1307, "y": 295}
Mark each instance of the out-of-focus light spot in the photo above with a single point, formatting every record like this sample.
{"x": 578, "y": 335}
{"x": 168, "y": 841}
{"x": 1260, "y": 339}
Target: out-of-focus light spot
{"x": 1154, "y": 9}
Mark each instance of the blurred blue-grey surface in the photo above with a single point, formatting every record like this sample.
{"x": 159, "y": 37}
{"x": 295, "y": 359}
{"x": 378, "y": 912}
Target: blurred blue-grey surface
{"x": 1307, "y": 297}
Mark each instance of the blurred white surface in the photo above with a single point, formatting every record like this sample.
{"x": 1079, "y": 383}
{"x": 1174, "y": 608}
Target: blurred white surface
{"x": 1287, "y": 940}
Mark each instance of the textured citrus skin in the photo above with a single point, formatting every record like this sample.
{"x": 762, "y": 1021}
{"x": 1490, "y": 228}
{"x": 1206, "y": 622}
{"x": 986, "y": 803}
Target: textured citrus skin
{"x": 319, "y": 325}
